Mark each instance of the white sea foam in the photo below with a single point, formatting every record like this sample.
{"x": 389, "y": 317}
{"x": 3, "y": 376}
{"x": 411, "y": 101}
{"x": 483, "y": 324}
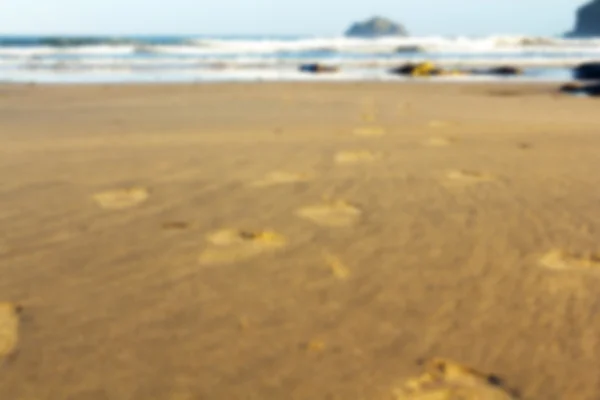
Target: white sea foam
{"x": 430, "y": 44}
{"x": 244, "y": 75}
{"x": 116, "y": 63}
{"x": 278, "y": 59}
{"x": 392, "y": 45}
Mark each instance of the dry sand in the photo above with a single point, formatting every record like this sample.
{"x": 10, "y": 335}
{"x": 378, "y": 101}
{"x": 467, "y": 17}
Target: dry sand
{"x": 221, "y": 241}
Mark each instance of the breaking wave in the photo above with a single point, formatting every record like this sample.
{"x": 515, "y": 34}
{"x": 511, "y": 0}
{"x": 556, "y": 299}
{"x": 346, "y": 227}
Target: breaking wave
{"x": 272, "y": 57}
{"x": 31, "y": 46}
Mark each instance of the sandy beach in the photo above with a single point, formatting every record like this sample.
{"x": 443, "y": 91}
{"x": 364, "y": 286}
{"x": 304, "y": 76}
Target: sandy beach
{"x": 297, "y": 241}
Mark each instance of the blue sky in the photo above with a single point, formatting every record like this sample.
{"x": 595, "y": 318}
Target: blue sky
{"x": 321, "y": 17}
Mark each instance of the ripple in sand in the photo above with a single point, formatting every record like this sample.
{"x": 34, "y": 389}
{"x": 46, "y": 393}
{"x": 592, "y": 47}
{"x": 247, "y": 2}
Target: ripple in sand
{"x": 369, "y": 131}
{"x": 354, "y": 157}
{"x": 281, "y": 178}
{"x": 466, "y": 177}
{"x": 229, "y": 246}
{"x": 119, "y": 199}
{"x": 447, "y": 380}
{"x": 564, "y": 261}
{"x": 9, "y": 328}
{"x": 335, "y": 214}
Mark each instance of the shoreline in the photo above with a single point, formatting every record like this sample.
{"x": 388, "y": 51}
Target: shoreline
{"x": 296, "y": 78}
{"x": 522, "y": 85}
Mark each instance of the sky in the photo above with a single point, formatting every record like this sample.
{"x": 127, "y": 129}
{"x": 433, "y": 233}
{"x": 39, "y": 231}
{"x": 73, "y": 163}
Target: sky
{"x": 285, "y": 17}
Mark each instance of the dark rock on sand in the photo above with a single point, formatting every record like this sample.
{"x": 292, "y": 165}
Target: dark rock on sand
{"x": 587, "y": 22}
{"x": 587, "y": 71}
{"x": 570, "y": 88}
{"x": 592, "y": 89}
{"x": 405, "y": 69}
{"x": 430, "y": 69}
{"x": 417, "y": 69}
{"x": 376, "y": 27}
{"x": 318, "y": 68}
{"x": 505, "y": 70}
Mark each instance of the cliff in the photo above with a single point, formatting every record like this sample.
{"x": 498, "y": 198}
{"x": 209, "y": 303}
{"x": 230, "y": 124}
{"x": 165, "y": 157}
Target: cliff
{"x": 587, "y": 20}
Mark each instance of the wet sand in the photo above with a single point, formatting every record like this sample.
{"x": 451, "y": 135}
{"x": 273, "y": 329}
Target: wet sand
{"x": 297, "y": 241}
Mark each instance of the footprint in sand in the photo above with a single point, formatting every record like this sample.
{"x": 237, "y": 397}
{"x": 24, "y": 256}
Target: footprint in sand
{"x": 369, "y": 116}
{"x": 314, "y": 346}
{"x": 336, "y": 266}
{"x": 369, "y": 131}
{"x": 175, "y": 225}
{"x": 119, "y": 199}
{"x": 440, "y": 141}
{"x": 466, "y": 178}
{"x": 280, "y": 178}
{"x": 355, "y": 157}
{"x": 524, "y": 145}
{"x": 564, "y": 261}
{"x": 9, "y": 328}
{"x": 335, "y": 214}
{"x": 447, "y": 380}
{"x": 436, "y": 124}
{"x": 228, "y": 246}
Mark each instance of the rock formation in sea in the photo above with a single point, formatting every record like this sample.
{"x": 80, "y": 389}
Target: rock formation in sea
{"x": 428, "y": 69}
{"x": 587, "y": 21}
{"x": 376, "y": 27}
{"x": 589, "y": 71}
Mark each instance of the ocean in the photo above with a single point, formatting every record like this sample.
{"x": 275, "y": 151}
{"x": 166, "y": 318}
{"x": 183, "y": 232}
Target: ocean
{"x": 168, "y": 59}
